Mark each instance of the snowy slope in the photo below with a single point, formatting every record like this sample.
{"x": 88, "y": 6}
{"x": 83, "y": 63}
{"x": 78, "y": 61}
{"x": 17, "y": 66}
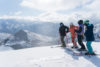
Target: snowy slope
{"x": 47, "y": 57}
{"x": 5, "y": 48}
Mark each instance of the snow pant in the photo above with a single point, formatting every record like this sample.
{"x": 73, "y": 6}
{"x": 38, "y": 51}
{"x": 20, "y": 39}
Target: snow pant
{"x": 89, "y": 47}
{"x": 80, "y": 41}
{"x": 62, "y": 41}
{"x": 73, "y": 41}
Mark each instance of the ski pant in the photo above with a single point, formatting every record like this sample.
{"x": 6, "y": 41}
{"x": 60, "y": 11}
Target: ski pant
{"x": 73, "y": 41}
{"x": 89, "y": 47}
{"x": 62, "y": 41}
{"x": 80, "y": 41}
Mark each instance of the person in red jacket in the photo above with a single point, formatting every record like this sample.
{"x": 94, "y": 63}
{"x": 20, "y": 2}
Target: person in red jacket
{"x": 73, "y": 34}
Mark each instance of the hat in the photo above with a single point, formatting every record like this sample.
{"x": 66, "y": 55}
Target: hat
{"x": 61, "y": 24}
{"x": 86, "y": 22}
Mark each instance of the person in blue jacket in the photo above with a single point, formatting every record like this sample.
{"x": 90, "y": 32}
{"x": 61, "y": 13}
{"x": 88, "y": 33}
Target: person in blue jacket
{"x": 89, "y": 37}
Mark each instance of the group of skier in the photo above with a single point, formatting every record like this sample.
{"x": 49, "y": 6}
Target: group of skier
{"x": 84, "y": 29}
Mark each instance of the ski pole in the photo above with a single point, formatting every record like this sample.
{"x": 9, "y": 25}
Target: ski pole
{"x": 66, "y": 40}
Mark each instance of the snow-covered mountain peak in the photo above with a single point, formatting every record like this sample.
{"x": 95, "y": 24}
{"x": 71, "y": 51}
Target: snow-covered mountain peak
{"x": 26, "y": 39}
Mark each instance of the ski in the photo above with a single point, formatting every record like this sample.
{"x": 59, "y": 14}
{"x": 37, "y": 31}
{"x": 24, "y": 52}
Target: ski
{"x": 83, "y": 54}
{"x": 58, "y": 46}
{"x": 55, "y": 46}
{"x": 75, "y": 52}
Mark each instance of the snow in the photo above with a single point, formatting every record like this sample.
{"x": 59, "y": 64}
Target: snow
{"x": 27, "y": 39}
{"x": 4, "y": 36}
{"x": 48, "y": 57}
{"x": 5, "y": 48}
{"x": 38, "y": 36}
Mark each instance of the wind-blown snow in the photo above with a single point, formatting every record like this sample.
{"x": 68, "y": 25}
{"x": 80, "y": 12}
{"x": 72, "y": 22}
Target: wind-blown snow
{"x": 48, "y": 57}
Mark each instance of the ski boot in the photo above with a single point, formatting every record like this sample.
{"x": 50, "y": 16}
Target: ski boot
{"x": 74, "y": 47}
{"x": 82, "y": 49}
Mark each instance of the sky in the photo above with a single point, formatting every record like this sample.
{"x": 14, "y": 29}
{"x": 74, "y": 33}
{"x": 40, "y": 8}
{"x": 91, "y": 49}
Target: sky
{"x": 50, "y": 10}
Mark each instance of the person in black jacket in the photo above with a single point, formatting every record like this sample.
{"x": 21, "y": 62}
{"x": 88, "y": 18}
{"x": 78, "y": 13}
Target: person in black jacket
{"x": 89, "y": 37}
{"x": 80, "y": 35}
{"x": 62, "y": 31}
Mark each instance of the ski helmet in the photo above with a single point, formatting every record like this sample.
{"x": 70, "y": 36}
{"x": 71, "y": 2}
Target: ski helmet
{"x": 86, "y": 22}
{"x": 80, "y": 22}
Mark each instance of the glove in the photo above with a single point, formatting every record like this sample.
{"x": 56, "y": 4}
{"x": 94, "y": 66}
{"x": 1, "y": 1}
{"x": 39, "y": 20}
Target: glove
{"x": 66, "y": 30}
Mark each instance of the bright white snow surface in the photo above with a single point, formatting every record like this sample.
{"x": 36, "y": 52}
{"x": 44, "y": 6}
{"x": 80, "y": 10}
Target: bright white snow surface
{"x": 48, "y": 57}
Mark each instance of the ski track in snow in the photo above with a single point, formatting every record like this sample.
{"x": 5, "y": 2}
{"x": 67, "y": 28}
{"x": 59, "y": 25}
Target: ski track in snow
{"x": 47, "y": 57}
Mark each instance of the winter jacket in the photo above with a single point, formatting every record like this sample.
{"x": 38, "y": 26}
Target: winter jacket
{"x": 63, "y": 30}
{"x": 80, "y": 31}
{"x": 89, "y": 32}
{"x": 72, "y": 30}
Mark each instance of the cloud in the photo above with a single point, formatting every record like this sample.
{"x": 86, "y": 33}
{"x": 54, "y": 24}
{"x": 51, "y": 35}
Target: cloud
{"x": 56, "y": 17}
{"x": 94, "y": 6}
{"x": 18, "y": 13}
{"x": 89, "y": 10}
{"x": 53, "y": 5}
{"x": 52, "y": 17}
{"x": 28, "y": 18}
{"x": 15, "y": 13}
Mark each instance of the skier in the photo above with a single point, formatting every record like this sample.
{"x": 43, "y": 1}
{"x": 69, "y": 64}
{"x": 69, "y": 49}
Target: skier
{"x": 73, "y": 34}
{"x": 80, "y": 36}
{"x": 62, "y": 31}
{"x": 89, "y": 37}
